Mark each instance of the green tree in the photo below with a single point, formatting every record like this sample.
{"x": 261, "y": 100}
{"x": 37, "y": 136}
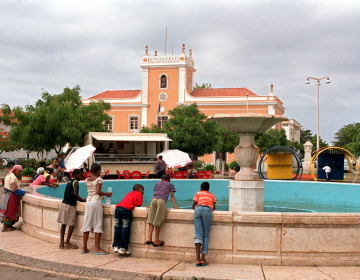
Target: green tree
{"x": 348, "y": 137}
{"x": 322, "y": 143}
{"x": 152, "y": 129}
{"x": 203, "y": 86}
{"x": 225, "y": 141}
{"x": 55, "y": 120}
{"x": 189, "y": 130}
{"x": 271, "y": 138}
{"x": 5, "y": 144}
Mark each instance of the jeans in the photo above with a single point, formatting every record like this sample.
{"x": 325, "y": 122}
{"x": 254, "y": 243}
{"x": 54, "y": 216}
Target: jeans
{"x": 202, "y": 220}
{"x": 328, "y": 176}
{"x": 123, "y": 218}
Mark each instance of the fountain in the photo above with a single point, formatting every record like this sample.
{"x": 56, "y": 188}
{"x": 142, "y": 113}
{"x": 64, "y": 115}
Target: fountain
{"x": 246, "y": 192}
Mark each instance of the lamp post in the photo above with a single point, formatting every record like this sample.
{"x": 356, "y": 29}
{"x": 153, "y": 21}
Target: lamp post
{"x": 318, "y": 84}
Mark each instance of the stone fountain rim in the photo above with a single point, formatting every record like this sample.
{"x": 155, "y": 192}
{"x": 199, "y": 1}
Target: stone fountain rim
{"x": 247, "y": 115}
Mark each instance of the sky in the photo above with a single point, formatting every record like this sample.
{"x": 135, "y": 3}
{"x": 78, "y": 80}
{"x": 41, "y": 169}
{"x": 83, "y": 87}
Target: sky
{"x": 99, "y": 45}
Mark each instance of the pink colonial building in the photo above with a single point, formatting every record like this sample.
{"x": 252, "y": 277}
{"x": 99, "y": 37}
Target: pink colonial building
{"x": 168, "y": 81}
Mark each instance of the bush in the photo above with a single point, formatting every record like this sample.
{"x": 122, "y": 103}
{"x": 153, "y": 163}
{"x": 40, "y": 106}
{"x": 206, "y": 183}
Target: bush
{"x": 197, "y": 164}
{"x": 30, "y": 162}
{"x": 232, "y": 164}
{"x": 210, "y": 167}
{"x": 28, "y": 171}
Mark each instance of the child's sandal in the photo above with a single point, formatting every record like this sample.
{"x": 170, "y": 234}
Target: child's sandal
{"x": 70, "y": 246}
{"x": 61, "y": 246}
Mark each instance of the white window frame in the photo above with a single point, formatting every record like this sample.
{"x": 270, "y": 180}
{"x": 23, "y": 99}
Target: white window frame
{"x": 157, "y": 119}
{"x": 129, "y": 122}
{"x": 167, "y": 81}
{"x": 111, "y": 123}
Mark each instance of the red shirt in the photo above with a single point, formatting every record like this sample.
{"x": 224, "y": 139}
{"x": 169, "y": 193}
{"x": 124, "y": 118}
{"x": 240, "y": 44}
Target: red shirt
{"x": 131, "y": 200}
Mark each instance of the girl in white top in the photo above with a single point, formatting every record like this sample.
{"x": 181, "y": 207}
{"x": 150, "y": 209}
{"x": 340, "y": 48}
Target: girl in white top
{"x": 93, "y": 217}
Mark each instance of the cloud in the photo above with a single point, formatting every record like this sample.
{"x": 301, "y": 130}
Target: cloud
{"x": 49, "y": 45}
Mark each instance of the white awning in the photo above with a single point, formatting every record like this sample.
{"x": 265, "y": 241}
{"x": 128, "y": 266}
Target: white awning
{"x": 145, "y": 137}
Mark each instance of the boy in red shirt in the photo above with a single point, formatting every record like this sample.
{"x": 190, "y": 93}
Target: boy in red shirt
{"x": 123, "y": 218}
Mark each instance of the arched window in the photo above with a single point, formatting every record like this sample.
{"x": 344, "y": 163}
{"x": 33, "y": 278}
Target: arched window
{"x": 189, "y": 83}
{"x": 163, "y": 81}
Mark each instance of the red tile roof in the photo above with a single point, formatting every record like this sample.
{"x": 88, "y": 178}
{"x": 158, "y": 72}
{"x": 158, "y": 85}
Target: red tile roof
{"x": 222, "y": 92}
{"x": 117, "y": 94}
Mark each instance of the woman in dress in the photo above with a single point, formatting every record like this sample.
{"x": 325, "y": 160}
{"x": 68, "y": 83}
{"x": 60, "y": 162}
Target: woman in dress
{"x": 93, "y": 218}
{"x": 10, "y": 204}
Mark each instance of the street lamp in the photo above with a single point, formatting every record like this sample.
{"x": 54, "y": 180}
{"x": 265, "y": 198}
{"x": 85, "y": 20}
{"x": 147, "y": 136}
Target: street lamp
{"x": 318, "y": 84}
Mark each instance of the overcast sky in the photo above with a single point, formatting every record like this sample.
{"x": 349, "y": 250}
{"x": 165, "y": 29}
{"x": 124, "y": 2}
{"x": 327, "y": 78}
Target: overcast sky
{"x": 50, "y": 45}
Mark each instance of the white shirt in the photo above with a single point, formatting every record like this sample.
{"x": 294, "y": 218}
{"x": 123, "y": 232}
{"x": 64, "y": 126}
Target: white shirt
{"x": 327, "y": 169}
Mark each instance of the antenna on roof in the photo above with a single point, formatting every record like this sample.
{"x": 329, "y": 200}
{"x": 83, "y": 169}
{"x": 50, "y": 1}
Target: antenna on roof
{"x": 165, "y": 40}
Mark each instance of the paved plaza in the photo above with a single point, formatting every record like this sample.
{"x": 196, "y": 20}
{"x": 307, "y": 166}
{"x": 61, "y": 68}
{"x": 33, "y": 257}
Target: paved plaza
{"x": 20, "y": 252}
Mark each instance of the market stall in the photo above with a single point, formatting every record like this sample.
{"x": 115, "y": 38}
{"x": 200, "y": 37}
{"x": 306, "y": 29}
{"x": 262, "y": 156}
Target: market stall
{"x": 127, "y": 151}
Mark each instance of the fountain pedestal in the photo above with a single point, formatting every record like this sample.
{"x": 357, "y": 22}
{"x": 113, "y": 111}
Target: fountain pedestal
{"x": 246, "y": 192}
{"x": 246, "y": 196}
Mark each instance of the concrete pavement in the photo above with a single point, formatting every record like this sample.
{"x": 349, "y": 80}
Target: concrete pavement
{"x": 21, "y": 249}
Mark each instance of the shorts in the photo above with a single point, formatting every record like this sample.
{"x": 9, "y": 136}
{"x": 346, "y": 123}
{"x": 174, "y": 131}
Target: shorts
{"x": 157, "y": 213}
{"x": 67, "y": 214}
{"x": 60, "y": 174}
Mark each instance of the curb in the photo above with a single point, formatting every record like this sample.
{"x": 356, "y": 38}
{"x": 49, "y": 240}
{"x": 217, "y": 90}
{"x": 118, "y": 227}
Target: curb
{"x": 72, "y": 269}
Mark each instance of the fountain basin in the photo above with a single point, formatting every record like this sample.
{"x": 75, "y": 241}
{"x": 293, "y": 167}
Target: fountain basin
{"x": 247, "y": 123}
{"x": 323, "y": 239}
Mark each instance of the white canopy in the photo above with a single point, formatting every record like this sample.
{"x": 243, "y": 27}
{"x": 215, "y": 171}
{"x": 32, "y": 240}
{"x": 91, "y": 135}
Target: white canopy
{"x": 143, "y": 137}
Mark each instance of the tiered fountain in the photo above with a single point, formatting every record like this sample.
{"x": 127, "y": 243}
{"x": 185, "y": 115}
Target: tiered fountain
{"x": 246, "y": 192}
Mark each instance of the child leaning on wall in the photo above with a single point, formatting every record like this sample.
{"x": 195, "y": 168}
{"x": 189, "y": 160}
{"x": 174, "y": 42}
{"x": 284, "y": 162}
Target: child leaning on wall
{"x": 123, "y": 219}
{"x": 93, "y": 218}
{"x": 158, "y": 209}
{"x": 204, "y": 204}
{"x": 67, "y": 211}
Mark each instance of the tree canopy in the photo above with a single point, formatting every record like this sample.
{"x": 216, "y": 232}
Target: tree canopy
{"x": 5, "y": 144}
{"x": 348, "y": 137}
{"x": 55, "y": 120}
{"x": 203, "y": 86}
{"x": 189, "y": 130}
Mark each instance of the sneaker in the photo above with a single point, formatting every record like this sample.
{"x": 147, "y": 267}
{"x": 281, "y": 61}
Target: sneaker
{"x": 123, "y": 251}
{"x": 116, "y": 249}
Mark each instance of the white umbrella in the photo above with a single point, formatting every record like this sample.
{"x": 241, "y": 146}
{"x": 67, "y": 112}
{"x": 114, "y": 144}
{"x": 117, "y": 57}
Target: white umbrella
{"x": 175, "y": 158}
{"x": 77, "y": 158}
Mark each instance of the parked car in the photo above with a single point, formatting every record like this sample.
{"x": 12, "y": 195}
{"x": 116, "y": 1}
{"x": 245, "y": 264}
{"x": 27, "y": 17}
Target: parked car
{"x": 19, "y": 160}
{"x": 346, "y": 165}
{"x": 10, "y": 163}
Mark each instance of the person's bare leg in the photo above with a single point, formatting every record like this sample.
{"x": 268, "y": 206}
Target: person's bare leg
{"x": 151, "y": 229}
{"x": 97, "y": 248}
{"x": 203, "y": 258}
{"x": 62, "y": 234}
{"x": 157, "y": 236}
{"x": 70, "y": 231}
{"x": 198, "y": 248}
{"x": 85, "y": 240}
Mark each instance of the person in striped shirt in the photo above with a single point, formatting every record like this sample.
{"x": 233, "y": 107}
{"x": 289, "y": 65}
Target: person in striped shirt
{"x": 204, "y": 204}
{"x": 158, "y": 210}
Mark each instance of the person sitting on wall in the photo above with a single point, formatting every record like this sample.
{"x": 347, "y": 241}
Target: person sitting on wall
{"x": 111, "y": 149}
{"x": 192, "y": 172}
{"x": 100, "y": 149}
